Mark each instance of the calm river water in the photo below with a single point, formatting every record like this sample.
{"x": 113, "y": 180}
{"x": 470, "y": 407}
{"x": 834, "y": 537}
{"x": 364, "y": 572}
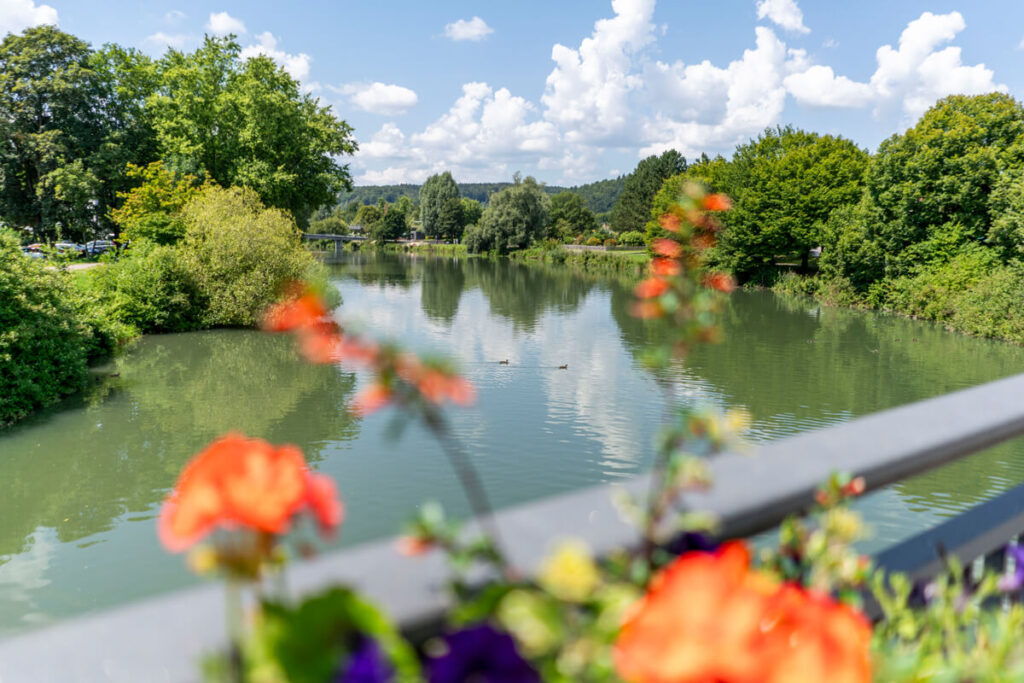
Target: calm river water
{"x": 81, "y": 484}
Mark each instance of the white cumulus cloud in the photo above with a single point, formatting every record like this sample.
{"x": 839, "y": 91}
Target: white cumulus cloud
{"x": 468, "y": 29}
{"x": 297, "y": 66}
{"x": 380, "y": 98}
{"x": 222, "y": 23}
{"x": 17, "y": 15}
{"x": 911, "y": 76}
{"x": 784, "y": 13}
{"x": 587, "y": 94}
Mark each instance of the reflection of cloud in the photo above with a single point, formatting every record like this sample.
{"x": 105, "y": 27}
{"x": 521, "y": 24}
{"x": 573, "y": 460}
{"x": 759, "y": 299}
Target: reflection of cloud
{"x": 23, "y": 574}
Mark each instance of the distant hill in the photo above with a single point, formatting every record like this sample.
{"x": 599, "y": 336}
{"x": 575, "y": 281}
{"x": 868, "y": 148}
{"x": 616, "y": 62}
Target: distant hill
{"x": 598, "y": 196}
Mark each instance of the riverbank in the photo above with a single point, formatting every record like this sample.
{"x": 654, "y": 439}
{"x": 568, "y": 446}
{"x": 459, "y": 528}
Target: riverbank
{"x": 988, "y": 303}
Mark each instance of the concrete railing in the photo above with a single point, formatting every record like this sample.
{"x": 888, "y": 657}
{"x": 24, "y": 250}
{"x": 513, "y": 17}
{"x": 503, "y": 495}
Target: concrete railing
{"x": 162, "y": 638}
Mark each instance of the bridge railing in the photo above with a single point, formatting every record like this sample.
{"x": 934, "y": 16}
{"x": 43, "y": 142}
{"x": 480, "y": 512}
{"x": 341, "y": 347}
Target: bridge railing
{"x": 161, "y": 638}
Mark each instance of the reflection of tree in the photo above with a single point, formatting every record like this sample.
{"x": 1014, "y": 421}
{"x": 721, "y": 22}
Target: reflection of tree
{"x": 373, "y": 267}
{"x": 81, "y": 470}
{"x": 443, "y": 281}
{"x": 522, "y": 293}
{"x": 796, "y": 366}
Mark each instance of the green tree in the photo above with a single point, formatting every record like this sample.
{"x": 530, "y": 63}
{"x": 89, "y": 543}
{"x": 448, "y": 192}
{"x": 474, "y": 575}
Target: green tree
{"x": 633, "y": 207}
{"x": 472, "y": 210}
{"x": 390, "y": 227}
{"x": 247, "y": 123}
{"x": 949, "y": 182}
{"x": 434, "y": 195}
{"x": 784, "y": 186}
{"x": 152, "y": 210}
{"x": 569, "y": 217}
{"x": 449, "y": 219}
{"x": 367, "y": 217}
{"x": 53, "y": 121}
{"x": 515, "y": 218}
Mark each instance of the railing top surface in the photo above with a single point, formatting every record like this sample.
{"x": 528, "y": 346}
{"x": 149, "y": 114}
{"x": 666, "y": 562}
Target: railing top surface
{"x": 161, "y": 638}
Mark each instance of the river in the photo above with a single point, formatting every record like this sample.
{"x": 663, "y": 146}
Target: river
{"x": 82, "y": 482}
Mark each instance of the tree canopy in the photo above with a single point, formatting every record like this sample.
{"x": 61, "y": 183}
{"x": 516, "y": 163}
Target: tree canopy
{"x": 515, "y": 218}
{"x": 75, "y": 118}
{"x": 634, "y": 204}
{"x": 569, "y": 217}
{"x": 440, "y": 210}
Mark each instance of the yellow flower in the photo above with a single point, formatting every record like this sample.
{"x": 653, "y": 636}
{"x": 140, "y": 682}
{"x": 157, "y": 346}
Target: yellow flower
{"x": 530, "y": 618}
{"x": 570, "y": 573}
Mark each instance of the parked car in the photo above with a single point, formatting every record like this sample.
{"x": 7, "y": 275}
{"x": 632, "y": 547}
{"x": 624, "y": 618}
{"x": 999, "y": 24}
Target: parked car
{"x": 97, "y": 247}
{"x": 32, "y": 253}
{"x": 69, "y": 247}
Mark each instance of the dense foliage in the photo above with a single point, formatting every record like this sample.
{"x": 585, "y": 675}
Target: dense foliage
{"x": 785, "y": 185}
{"x": 568, "y": 217}
{"x": 513, "y": 220}
{"x": 440, "y": 209}
{"x": 46, "y": 340}
{"x": 77, "y": 117}
{"x": 633, "y": 207}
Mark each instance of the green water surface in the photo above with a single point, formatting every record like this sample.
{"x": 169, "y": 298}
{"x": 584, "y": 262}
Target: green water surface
{"x": 80, "y": 485}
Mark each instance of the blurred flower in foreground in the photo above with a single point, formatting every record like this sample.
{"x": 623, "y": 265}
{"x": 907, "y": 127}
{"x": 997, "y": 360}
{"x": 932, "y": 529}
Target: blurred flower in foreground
{"x": 570, "y": 573}
{"x": 480, "y": 653}
{"x": 240, "y": 482}
{"x": 708, "y": 617}
{"x": 400, "y": 377}
{"x": 366, "y": 664}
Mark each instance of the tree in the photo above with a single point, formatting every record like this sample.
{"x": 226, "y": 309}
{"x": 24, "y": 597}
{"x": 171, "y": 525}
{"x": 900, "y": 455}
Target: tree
{"x": 435, "y": 193}
{"x": 247, "y": 123}
{"x": 390, "y": 227}
{"x": 471, "y": 211}
{"x": 449, "y": 219}
{"x": 152, "y": 210}
{"x": 368, "y": 217}
{"x": 514, "y": 219}
{"x": 784, "y": 186}
{"x": 569, "y": 217}
{"x": 949, "y": 183}
{"x": 633, "y": 207}
{"x": 53, "y": 122}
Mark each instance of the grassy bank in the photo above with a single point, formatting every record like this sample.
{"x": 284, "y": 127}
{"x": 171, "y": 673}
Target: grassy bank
{"x": 598, "y": 262}
{"x": 965, "y": 295}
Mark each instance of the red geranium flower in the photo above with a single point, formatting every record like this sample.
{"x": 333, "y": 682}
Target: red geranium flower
{"x": 667, "y": 248}
{"x": 708, "y": 617}
{"x": 665, "y": 267}
{"x": 651, "y": 288}
{"x": 241, "y": 482}
{"x": 720, "y": 281}
{"x": 717, "y": 202}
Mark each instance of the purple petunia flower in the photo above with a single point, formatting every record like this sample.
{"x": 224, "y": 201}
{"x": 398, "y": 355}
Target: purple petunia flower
{"x": 480, "y": 653}
{"x": 690, "y": 541}
{"x": 366, "y": 665}
{"x": 1014, "y": 581}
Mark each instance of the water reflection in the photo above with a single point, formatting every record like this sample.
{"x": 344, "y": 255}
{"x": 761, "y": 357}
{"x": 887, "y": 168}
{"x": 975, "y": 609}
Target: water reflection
{"x": 81, "y": 483}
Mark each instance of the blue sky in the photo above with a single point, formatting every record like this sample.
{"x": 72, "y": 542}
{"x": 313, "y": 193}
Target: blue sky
{"x": 577, "y": 90}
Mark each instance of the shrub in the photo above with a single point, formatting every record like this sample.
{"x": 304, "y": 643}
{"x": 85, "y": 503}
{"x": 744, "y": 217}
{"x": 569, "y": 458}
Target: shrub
{"x": 150, "y": 290}
{"x": 594, "y": 242}
{"x": 44, "y": 346}
{"x": 611, "y": 242}
{"x": 632, "y": 238}
{"x": 240, "y": 254}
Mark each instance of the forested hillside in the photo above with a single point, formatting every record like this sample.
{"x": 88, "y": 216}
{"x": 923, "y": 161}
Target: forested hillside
{"x": 598, "y": 196}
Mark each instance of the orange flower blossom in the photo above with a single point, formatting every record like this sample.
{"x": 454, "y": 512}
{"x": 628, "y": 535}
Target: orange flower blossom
{"x": 667, "y": 248}
{"x": 717, "y": 202}
{"x": 708, "y": 617}
{"x": 241, "y": 482}
{"x": 665, "y": 267}
{"x": 720, "y": 281}
{"x": 670, "y": 222}
{"x": 651, "y": 288}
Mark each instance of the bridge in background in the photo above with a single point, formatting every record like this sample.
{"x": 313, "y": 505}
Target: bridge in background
{"x": 163, "y": 638}
{"x": 338, "y": 240}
